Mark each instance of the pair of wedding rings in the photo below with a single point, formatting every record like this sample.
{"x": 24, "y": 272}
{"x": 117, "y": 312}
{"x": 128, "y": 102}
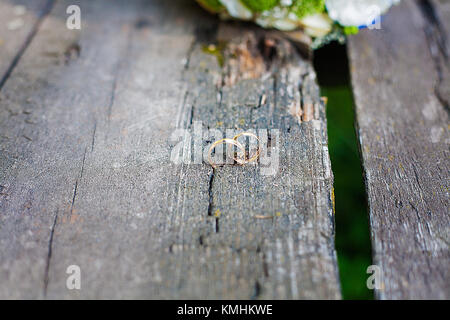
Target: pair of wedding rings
{"x": 244, "y": 159}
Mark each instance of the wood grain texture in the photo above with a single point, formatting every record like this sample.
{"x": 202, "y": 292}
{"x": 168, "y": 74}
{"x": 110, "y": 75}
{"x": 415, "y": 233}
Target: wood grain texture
{"x": 398, "y": 74}
{"x": 87, "y": 177}
{"x": 19, "y": 21}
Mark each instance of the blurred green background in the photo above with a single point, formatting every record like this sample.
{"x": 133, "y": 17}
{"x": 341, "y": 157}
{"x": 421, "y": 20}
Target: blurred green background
{"x": 352, "y": 230}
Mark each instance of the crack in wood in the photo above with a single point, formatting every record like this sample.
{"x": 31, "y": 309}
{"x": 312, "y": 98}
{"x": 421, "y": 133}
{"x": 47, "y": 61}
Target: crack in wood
{"x": 49, "y": 254}
{"x": 93, "y": 136}
{"x": 76, "y": 182}
{"x": 210, "y": 192}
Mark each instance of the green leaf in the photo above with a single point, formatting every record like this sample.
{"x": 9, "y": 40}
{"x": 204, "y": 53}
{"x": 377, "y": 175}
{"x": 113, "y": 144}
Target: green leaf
{"x": 304, "y": 8}
{"x": 211, "y": 5}
{"x": 260, "y": 5}
{"x": 351, "y": 30}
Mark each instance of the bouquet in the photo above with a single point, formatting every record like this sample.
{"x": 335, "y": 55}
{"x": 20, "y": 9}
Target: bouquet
{"x": 321, "y": 20}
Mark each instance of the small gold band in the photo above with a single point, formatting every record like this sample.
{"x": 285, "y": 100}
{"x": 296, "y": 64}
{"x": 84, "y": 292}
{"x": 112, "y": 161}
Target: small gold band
{"x": 235, "y": 142}
{"x": 257, "y": 153}
{"x": 223, "y": 141}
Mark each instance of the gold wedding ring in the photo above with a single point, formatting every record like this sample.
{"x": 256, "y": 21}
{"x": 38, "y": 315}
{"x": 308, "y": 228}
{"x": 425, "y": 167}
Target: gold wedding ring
{"x": 223, "y": 141}
{"x": 236, "y": 143}
{"x": 257, "y": 153}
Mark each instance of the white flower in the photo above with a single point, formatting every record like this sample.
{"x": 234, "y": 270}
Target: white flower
{"x": 317, "y": 25}
{"x": 357, "y": 12}
{"x": 278, "y": 18}
{"x": 237, "y": 10}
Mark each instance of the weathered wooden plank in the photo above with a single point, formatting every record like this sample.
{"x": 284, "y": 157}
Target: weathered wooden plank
{"x": 273, "y": 230}
{"x": 94, "y": 184}
{"x": 402, "y": 122}
{"x": 19, "y": 21}
{"x": 62, "y": 84}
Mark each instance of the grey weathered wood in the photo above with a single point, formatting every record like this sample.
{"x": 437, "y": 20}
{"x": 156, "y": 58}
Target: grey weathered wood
{"x": 55, "y": 101}
{"x": 19, "y": 20}
{"x": 89, "y": 180}
{"x": 403, "y": 128}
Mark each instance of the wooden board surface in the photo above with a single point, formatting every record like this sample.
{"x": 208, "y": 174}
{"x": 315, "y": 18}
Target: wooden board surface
{"x": 86, "y": 171}
{"x": 400, "y": 79}
{"x": 20, "y": 20}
